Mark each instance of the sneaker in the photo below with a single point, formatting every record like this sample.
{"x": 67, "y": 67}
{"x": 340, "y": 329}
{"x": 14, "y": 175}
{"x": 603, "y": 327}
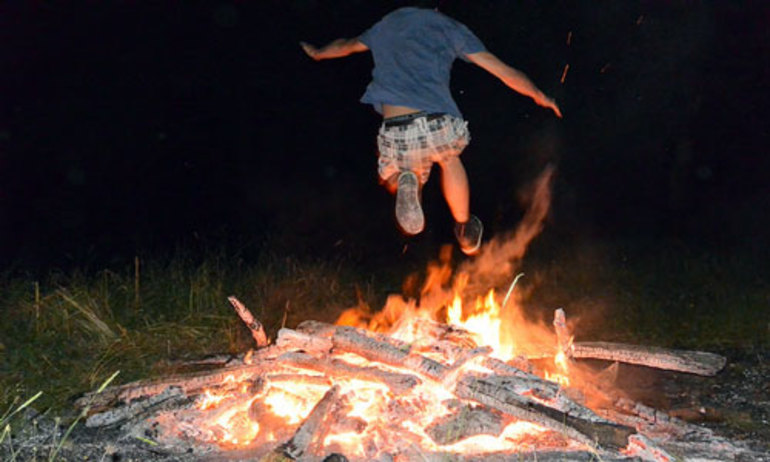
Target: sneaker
{"x": 408, "y": 210}
{"x": 468, "y": 235}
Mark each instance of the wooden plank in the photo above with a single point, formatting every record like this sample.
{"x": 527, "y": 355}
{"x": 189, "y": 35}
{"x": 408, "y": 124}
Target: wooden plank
{"x": 497, "y": 394}
{"x": 292, "y": 340}
{"x": 504, "y": 369}
{"x": 191, "y": 382}
{"x": 172, "y": 395}
{"x": 376, "y": 347}
{"x": 398, "y": 383}
{"x": 693, "y": 362}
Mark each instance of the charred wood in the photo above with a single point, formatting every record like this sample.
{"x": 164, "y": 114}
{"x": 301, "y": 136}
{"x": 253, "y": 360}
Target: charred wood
{"x": 693, "y": 362}
{"x": 505, "y": 369}
{"x": 521, "y": 456}
{"x": 498, "y": 394}
{"x": 320, "y": 380}
{"x": 398, "y": 383}
{"x": 376, "y": 347}
{"x": 211, "y": 362}
{"x": 312, "y": 428}
{"x": 464, "y": 423}
{"x": 465, "y": 356}
{"x": 432, "y": 331}
{"x": 256, "y": 328}
{"x": 329, "y": 330}
{"x": 190, "y": 383}
{"x": 172, "y": 396}
{"x": 518, "y": 366}
{"x": 289, "y": 339}
{"x": 563, "y": 337}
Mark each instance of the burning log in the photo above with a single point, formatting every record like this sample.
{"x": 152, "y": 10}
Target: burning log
{"x": 312, "y": 428}
{"x": 518, "y": 456}
{"x": 465, "y": 422}
{"x": 382, "y": 396}
{"x": 693, "y": 362}
{"x": 322, "y": 329}
{"x": 465, "y": 356}
{"x": 563, "y": 335}
{"x": 504, "y": 369}
{"x": 374, "y": 348}
{"x": 212, "y": 361}
{"x": 646, "y": 448}
{"x": 190, "y": 383}
{"x": 172, "y": 396}
{"x": 290, "y": 339}
{"x": 431, "y": 332}
{"x": 398, "y": 383}
{"x": 497, "y": 393}
{"x": 257, "y": 331}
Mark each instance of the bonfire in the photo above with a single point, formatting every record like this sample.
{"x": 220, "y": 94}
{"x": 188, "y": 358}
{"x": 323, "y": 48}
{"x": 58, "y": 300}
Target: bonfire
{"x": 458, "y": 374}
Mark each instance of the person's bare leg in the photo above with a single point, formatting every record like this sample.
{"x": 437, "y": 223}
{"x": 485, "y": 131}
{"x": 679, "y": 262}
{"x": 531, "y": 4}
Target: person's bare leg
{"x": 454, "y": 183}
{"x": 468, "y": 228}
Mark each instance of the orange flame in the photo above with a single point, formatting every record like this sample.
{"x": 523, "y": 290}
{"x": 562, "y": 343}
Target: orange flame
{"x": 477, "y": 314}
{"x": 561, "y": 375}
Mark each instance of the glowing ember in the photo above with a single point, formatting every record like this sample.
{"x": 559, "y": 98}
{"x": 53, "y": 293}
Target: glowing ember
{"x": 457, "y": 371}
{"x": 292, "y": 401}
{"x": 371, "y": 412}
{"x": 562, "y": 365}
{"x": 236, "y": 428}
{"x": 406, "y": 395}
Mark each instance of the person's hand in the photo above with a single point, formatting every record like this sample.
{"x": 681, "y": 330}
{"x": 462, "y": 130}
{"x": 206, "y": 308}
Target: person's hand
{"x": 310, "y": 50}
{"x": 549, "y": 103}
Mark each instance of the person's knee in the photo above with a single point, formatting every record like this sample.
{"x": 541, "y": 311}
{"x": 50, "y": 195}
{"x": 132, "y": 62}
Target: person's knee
{"x": 390, "y": 183}
{"x": 450, "y": 163}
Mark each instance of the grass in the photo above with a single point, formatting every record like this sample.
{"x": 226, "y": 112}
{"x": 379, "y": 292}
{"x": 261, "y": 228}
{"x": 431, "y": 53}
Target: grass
{"x": 660, "y": 293}
{"x": 66, "y": 334}
{"x": 69, "y": 332}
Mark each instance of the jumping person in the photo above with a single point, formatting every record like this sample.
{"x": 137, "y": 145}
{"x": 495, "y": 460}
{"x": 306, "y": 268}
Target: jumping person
{"x": 413, "y": 50}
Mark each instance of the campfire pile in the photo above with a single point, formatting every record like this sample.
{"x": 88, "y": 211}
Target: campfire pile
{"x": 332, "y": 392}
{"x": 427, "y": 380}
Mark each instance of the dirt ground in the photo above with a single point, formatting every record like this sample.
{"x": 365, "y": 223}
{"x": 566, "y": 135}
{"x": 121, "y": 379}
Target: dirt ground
{"x": 735, "y": 404}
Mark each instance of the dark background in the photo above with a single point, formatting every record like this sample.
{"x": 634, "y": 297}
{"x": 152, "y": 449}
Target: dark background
{"x": 134, "y": 128}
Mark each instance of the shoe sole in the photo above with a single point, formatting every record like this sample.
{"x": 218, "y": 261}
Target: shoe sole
{"x": 473, "y": 250}
{"x": 408, "y": 210}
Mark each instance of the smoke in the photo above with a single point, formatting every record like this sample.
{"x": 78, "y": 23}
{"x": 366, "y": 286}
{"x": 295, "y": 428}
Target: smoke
{"x": 493, "y": 268}
{"x": 501, "y": 257}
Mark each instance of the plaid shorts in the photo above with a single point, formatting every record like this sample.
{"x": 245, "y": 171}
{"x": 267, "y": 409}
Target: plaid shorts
{"x": 416, "y": 142}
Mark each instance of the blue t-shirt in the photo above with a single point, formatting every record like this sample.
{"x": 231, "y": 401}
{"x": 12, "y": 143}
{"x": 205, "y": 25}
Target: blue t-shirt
{"x": 413, "y": 50}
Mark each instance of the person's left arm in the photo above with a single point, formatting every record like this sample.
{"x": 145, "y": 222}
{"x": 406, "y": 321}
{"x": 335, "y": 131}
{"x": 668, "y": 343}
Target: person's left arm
{"x": 513, "y": 78}
{"x": 336, "y": 49}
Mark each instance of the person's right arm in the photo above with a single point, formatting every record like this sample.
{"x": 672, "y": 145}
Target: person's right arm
{"x": 335, "y": 49}
{"x": 513, "y": 78}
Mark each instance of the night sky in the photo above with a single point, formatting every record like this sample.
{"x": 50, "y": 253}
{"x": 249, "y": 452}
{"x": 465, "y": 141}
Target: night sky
{"x": 131, "y": 128}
